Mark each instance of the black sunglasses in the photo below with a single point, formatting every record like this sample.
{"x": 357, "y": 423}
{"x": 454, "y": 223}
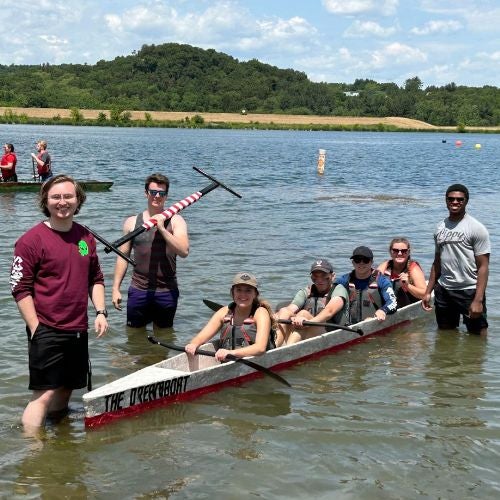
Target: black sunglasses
{"x": 402, "y": 251}
{"x": 154, "y": 192}
{"x": 451, "y": 199}
{"x": 358, "y": 259}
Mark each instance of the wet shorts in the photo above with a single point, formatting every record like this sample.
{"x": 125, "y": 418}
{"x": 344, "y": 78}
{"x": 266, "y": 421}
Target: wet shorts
{"x": 146, "y": 306}
{"x": 451, "y": 304}
{"x": 57, "y": 358}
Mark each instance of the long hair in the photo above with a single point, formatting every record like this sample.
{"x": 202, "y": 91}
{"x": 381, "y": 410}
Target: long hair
{"x": 57, "y": 179}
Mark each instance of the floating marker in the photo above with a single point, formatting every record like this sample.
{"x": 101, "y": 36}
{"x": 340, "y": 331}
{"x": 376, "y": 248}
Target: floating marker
{"x": 321, "y": 160}
{"x": 458, "y": 143}
{"x": 478, "y": 146}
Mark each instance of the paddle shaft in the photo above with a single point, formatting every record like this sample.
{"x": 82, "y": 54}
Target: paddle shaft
{"x": 108, "y": 244}
{"x": 215, "y": 306}
{"x": 231, "y": 357}
{"x": 171, "y": 211}
{"x": 35, "y": 172}
{"x": 334, "y": 326}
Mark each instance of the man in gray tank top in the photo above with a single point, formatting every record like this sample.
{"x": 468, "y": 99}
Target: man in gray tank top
{"x": 459, "y": 273}
{"x": 153, "y": 292}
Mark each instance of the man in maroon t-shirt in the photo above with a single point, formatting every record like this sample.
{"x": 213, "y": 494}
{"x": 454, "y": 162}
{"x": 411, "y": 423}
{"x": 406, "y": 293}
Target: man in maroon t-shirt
{"x": 54, "y": 271}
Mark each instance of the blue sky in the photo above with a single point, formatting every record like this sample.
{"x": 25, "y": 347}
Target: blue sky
{"x": 440, "y": 41}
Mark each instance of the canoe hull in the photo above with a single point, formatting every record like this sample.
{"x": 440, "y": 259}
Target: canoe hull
{"x": 182, "y": 377}
{"x": 34, "y": 187}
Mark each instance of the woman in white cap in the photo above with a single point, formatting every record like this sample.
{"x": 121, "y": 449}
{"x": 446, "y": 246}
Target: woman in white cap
{"x": 245, "y": 325}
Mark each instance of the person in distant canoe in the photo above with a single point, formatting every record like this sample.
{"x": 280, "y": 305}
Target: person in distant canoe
{"x": 320, "y": 302}
{"x": 405, "y": 274}
{"x": 370, "y": 292}
{"x": 459, "y": 273}
{"x": 8, "y": 164}
{"x": 54, "y": 271}
{"x": 43, "y": 161}
{"x": 245, "y": 325}
{"x": 153, "y": 293}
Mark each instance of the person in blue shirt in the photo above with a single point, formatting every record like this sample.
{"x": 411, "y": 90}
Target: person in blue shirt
{"x": 370, "y": 292}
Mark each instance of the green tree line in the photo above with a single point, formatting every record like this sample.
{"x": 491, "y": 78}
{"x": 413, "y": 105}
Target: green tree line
{"x": 175, "y": 77}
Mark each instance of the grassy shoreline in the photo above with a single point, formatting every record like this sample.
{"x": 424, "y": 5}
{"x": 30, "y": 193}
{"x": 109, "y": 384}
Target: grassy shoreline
{"x": 175, "y": 119}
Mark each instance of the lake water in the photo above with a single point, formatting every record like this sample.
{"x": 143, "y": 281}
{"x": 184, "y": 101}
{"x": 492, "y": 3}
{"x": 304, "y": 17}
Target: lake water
{"x": 413, "y": 414}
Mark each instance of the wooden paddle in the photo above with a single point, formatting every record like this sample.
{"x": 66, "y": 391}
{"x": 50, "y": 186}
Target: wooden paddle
{"x": 36, "y": 177}
{"x": 214, "y": 306}
{"x": 231, "y": 357}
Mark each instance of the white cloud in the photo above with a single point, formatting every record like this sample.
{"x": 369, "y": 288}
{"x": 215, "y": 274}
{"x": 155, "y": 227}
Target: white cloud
{"x": 368, "y": 28}
{"x": 53, "y": 40}
{"x": 396, "y": 54}
{"x": 436, "y": 27}
{"x": 351, "y": 7}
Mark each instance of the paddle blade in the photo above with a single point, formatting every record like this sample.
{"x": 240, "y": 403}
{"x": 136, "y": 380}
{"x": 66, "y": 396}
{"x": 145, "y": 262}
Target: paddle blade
{"x": 214, "y": 306}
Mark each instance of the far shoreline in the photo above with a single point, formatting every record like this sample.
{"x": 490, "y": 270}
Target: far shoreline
{"x": 189, "y": 119}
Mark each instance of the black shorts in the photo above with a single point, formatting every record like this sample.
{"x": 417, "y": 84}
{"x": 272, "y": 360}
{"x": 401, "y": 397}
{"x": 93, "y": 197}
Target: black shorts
{"x": 451, "y": 304}
{"x": 57, "y": 358}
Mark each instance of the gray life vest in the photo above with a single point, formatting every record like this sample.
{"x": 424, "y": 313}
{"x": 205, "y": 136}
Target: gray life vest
{"x": 364, "y": 303}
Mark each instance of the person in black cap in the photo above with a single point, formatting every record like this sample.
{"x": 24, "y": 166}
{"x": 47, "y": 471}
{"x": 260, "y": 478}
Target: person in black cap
{"x": 459, "y": 273}
{"x": 370, "y": 293}
{"x": 320, "y": 302}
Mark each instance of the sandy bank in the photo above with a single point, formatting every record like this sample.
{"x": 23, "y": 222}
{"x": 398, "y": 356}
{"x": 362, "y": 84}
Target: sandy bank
{"x": 402, "y": 123}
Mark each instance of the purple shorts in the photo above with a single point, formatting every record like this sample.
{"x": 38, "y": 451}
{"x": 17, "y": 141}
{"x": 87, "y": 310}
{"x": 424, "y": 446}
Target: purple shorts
{"x": 146, "y": 306}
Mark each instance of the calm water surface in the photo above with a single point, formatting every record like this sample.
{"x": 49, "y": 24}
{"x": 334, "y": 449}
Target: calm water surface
{"x": 414, "y": 414}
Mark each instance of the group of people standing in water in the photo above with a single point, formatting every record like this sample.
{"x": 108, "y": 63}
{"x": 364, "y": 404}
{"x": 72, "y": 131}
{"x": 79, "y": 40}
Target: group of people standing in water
{"x": 55, "y": 270}
{"x": 42, "y": 163}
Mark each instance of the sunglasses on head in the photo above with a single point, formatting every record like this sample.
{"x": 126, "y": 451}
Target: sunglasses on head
{"x": 154, "y": 192}
{"x": 451, "y": 199}
{"x": 357, "y": 259}
{"x": 402, "y": 251}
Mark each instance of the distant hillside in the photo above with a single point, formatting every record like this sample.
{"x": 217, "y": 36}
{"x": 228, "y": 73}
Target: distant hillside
{"x": 173, "y": 77}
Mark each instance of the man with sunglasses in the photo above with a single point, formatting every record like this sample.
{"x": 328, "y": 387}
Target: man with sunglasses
{"x": 370, "y": 292}
{"x": 153, "y": 292}
{"x": 323, "y": 301}
{"x": 459, "y": 273}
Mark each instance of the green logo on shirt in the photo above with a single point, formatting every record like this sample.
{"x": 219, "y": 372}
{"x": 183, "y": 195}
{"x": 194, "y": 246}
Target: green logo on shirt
{"x": 83, "y": 248}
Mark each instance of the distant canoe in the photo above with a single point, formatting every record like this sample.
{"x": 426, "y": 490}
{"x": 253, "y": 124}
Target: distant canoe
{"x": 33, "y": 186}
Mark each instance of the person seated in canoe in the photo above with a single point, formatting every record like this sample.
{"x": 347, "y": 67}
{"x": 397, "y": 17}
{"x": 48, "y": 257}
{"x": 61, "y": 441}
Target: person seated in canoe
{"x": 406, "y": 275}
{"x": 43, "y": 161}
{"x": 370, "y": 292}
{"x": 8, "y": 164}
{"x": 320, "y": 302}
{"x": 245, "y": 325}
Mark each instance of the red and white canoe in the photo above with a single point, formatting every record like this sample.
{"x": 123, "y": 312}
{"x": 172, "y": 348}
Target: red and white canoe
{"x": 184, "y": 377}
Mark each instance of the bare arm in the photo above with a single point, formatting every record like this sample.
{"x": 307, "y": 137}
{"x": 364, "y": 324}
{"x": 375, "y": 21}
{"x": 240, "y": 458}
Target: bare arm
{"x": 98, "y": 299}
{"x": 122, "y": 265}
{"x": 208, "y": 331}
{"x": 483, "y": 264}
{"x": 434, "y": 276}
{"x": 418, "y": 286}
{"x": 335, "y": 304}
{"x": 178, "y": 239}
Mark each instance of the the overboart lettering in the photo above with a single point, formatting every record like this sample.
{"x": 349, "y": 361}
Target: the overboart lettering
{"x": 146, "y": 393}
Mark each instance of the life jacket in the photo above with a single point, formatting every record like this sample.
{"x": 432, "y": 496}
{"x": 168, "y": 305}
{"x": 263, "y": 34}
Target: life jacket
{"x": 315, "y": 302}
{"x": 403, "y": 296}
{"x": 364, "y": 303}
{"x": 233, "y": 336}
